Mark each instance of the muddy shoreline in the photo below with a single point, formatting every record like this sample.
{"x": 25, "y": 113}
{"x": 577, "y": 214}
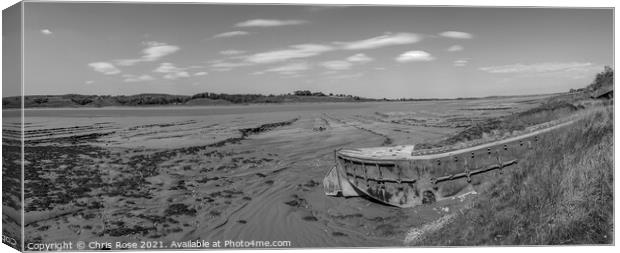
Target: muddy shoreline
{"x": 242, "y": 176}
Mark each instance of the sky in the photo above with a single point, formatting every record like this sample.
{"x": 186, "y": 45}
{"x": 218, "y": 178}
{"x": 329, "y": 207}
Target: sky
{"x": 369, "y": 51}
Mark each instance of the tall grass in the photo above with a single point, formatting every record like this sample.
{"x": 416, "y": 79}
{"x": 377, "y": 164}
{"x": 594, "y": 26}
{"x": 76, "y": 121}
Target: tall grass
{"x": 561, "y": 194}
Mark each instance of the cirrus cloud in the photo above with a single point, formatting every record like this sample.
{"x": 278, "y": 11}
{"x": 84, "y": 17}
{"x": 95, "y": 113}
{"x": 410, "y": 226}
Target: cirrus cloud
{"x": 129, "y": 78}
{"x": 346, "y": 76}
{"x": 220, "y": 65}
{"x": 309, "y": 50}
{"x": 460, "y": 63}
{"x": 231, "y": 52}
{"x": 456, "y": 35}
{"x": 269, "y": 22}
{"x": 231, "y": 34}
{"x": 293, "y": 52}
{"x": 415, "y": 56}
{"x": 455, "y": 48}
{"x": 105, "y": 67}
{"x": 171, "y": 71}
{"x": 337, "y": 65}
{"x": 154, "y": 51}
{"x": 289, "y": 69}
{"x": 381, "y": 41}
{"x": 359, "y": 58}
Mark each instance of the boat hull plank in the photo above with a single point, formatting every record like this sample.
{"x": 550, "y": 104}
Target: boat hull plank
{"x": 420, "y": 178}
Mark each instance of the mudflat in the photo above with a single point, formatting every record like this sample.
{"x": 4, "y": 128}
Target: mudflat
{"x": 249, "y": 172}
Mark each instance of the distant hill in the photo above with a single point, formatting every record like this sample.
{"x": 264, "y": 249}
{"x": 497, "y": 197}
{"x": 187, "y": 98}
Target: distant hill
{"x": 207, "y": 101}
{"x": 207, "y": 98}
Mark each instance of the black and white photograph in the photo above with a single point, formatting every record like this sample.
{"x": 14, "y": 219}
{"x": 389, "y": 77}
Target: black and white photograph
{"x": 206, "y": 126}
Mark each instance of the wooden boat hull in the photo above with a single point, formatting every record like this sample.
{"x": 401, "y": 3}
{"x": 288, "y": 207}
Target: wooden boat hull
{"x": 337, "y": 184}
{"x": 420, "y": 178}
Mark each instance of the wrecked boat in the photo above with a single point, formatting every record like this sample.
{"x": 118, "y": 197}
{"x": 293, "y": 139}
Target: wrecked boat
{"x": 402, "y": 176}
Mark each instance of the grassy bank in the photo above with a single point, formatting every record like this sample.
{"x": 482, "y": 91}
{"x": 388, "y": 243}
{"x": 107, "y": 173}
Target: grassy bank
{"x": 554, "y": 109}
{"x": 557, "y": 107}
{"x": 561, "y": 194}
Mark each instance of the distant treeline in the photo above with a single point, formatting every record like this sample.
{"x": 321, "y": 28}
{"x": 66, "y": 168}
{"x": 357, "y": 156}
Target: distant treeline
{"x": 601, "y": 86}
{"x": 207, "y": 98}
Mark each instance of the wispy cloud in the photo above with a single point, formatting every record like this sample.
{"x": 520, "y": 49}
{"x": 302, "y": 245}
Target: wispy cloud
{"x": 231, "y": 52}
{"x": 347, "y": 63}
{"x": 538, "y": 67}
{"x": 460, "y": 63}
{"x": 202, "y": 73}
{"x": 345, "y": 76}
{"x": 105, "y": 67}
{"x": 293, "y": 52}
{"x": 219, "y": 65}
{"x": 46, "y": 31}
{"x": 415, "y": 56}
{"x": 337, "y": 65}
{"x": 129, "y": 78}
{"x": 455, "y": 48}
{"x": 195, "y": 67}
{"x": 289, "y": 69}
{"x": 171, "y": 71}
{"x": 154, "y": 51}
{"x": 221, "y": 69}
{"x": 176, "y": 75}
{"x": 166, "y": 67}
{"x": 310, "y": 50}
{"x": 456, "y": 35}
{"x": 89, "y": 82}
{"x": 231, "y": 34}
{"x": 381, "y": 41}
{"x": 269, "y": 22}
{"x": 359, "y": 58}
